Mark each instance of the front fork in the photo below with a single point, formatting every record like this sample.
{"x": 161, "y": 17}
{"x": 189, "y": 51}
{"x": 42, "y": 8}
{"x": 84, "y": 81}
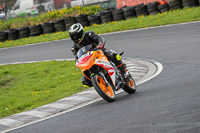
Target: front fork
{"x": 120, "y": 82}
{"x": 100, "y": 74}
{"x": 104, "y": 78}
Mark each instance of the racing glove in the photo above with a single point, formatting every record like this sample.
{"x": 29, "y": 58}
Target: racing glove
{"x": 100, "y": 45}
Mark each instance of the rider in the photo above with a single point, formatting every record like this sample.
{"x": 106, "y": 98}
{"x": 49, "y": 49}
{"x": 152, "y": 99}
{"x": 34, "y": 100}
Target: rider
{"x": 81, "y": 39}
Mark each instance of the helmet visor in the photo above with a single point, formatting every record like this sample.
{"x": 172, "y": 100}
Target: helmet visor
{"x": 78, "y": 37}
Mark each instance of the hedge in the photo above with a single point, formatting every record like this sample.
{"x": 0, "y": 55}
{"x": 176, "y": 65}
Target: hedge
{"x": 101, "y": 17}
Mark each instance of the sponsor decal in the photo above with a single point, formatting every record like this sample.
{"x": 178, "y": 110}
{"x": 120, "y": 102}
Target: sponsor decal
{"x": 84, "y": 56}
{"x": 107, "y": 66}
{"x": 103, "y": 62}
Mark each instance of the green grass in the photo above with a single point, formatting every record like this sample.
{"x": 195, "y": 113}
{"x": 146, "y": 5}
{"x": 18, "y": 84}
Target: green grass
{"x": 27, "y": 86}
{"x": 171, "y": 17}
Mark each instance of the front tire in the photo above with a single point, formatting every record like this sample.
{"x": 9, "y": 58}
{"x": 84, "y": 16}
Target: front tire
{"x": 107, "y": 93}
{"x": 130, "y": 86}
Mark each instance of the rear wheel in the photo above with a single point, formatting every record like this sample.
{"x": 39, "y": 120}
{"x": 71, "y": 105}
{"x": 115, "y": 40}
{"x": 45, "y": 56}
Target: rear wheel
{"x": 106, "y": 92}
{"x": 130, "y": 86}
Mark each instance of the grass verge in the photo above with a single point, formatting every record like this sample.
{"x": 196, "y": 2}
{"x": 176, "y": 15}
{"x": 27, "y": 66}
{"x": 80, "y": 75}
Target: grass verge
{"x": 171, "y": 17}
{"x": 27, "y": 86}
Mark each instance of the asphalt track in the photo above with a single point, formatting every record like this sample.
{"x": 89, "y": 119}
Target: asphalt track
{"x": 169, "y": 103}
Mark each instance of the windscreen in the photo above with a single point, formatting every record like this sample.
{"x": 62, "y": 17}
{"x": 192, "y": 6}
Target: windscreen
{"x": 83, "y": 50}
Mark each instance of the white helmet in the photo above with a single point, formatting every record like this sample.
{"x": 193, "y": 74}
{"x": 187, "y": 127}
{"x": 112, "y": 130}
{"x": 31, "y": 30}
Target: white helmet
{"x": 76, "y": 32}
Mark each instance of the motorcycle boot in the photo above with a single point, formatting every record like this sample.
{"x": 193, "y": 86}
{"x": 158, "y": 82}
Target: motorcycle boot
{"x": 86, "y": 82}
{"x": 117, "y": 60}
{"x": 122, "y": 67}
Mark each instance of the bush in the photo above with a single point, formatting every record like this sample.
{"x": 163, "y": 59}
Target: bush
{"x": 49, "y": 16}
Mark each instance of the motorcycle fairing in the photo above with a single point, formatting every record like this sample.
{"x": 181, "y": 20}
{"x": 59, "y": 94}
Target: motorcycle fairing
{"x": 91, "y": 58}
{"x": 85, "y": 62}
{"x": 109, "y": 68}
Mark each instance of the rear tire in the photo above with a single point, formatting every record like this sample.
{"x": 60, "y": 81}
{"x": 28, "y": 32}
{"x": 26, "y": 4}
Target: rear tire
{"x": 130, "y": 87}
{"x": 107, "y": 93}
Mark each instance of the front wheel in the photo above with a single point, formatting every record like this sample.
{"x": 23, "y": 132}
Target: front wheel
{"x": 130, "y": 86}
{"x": 106, "y": 92}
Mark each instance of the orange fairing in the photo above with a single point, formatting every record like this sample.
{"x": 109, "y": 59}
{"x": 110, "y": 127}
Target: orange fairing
{"x": 100, "y": 55}
{"x": 87, "y": 61}
{"x": 90, "y": 61}
{"x": 87, "y": 64}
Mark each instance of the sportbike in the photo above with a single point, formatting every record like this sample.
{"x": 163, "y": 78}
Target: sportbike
{"x": 104, "y": 75}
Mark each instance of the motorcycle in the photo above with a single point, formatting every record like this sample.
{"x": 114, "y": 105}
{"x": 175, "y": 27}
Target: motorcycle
{"x": 104, "y": 75}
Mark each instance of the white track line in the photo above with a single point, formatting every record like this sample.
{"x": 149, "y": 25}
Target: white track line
{"x": 159, "y": 70}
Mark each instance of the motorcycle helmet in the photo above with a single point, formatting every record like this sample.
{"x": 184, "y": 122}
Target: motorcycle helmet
{"x": 76, "y": 32}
